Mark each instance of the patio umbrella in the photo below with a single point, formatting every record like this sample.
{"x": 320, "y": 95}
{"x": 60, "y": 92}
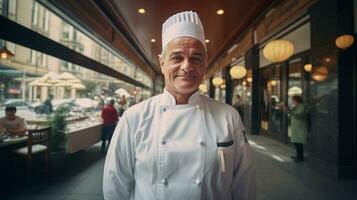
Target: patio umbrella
{"x": 122, "y": 92}
{"x": 78, "y": 86}
{"x": 39, "y": 83}
{"x": 85, "y": 102}
{"x": 294, "y": 91}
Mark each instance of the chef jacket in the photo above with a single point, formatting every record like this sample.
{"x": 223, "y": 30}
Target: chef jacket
{"x": 161, "y": 150}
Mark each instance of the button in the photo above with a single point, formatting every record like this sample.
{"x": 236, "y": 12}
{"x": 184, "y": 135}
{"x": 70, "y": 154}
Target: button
{"x": 164, "y": 181}
{"x": 197, "y": 182}
{"x": 201, "y": 142}
{"x": 163, "y": 109}
{"x": 163, "y": 142}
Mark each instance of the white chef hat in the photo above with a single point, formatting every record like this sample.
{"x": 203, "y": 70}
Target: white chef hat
{"x": 184, "y": 24}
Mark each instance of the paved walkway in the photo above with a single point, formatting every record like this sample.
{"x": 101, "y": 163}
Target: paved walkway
{"x": 278, "y": 178}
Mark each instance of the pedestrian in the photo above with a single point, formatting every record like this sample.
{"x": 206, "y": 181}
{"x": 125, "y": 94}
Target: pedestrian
{"x": 298, "y": 128}
{"x": 48, "y": 108}
{"x": 110, "y": 120}
{"x": 180, "y": 144}
{"x": 238, "y": 105}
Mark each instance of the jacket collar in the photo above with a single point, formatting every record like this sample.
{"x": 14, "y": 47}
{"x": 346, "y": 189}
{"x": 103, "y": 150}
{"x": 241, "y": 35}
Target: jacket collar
{"x": 169, "y": 99}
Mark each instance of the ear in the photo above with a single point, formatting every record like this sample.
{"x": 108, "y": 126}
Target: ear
{"x": 161, "y": 61}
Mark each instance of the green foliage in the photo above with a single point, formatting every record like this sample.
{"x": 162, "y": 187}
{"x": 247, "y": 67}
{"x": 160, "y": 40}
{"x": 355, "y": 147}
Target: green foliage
{"x": 58, "y": 124}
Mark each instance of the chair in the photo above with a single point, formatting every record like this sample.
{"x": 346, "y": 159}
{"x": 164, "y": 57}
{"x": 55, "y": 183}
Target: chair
{"x": 37, "y": 143}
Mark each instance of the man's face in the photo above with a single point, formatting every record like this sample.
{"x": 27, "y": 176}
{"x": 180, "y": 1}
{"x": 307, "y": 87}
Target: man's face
{"x": 183, "y": 65}
{"x": 10, "y": 115}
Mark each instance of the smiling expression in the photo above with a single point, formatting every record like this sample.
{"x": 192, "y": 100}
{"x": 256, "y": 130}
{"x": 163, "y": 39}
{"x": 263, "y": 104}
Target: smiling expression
{"x": 183, "y": 65}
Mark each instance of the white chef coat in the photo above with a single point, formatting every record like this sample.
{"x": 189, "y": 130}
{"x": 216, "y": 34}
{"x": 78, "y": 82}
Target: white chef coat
{"x": 161, "y": 150}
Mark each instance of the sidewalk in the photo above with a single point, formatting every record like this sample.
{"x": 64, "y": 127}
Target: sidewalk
{"x": 279, "y": 178}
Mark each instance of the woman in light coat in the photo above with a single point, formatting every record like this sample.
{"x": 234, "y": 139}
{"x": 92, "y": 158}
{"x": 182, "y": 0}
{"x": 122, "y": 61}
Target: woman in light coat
{"x": 298, "y": 128}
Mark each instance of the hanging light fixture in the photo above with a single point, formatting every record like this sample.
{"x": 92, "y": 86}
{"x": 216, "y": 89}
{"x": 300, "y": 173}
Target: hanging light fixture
{"x": 249, "y": 76}
{"x": 319, "y": 73}
{"x": 273, "y": 82}
{"x": 5, "y": 53}
{"x": 238, "y": 72}
{"x": 203, "y": 87}
{"x": 223, "y": 86}
{"x": 308, "y": 67}
{"x": 217, "y": 81}
{"x": 344, "y": 41}
{"x": 278, "y": 50}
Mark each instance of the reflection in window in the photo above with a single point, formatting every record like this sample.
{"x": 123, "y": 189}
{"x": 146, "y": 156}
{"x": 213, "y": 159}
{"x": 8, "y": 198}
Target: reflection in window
{"x": 35, "y": 13}
{"x": 12, "y": 9}
{"x": 271, "y": 94}
{"x": 2, "y": 7}
{"x": 46, "y": 20}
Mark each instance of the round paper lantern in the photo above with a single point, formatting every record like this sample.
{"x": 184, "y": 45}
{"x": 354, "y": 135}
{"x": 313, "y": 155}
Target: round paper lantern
{"x": 308, "y": 67}
{"x": 278, "y": 50}
{"x": 320, "y": 73}
{"x": 203, "y": 87}
{"x": 344, "y": 41}
{"x": 238, "y": 72}
{"x": 217, "y": 81}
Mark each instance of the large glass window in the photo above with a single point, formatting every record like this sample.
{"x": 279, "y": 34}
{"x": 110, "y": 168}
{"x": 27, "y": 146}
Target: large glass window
{"x": 271, "y": 116}
{"x": 63, "y": 32}
{"x": 31, "y": 76}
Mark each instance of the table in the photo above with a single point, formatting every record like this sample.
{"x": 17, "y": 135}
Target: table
{"x": 82, "y": 138}
{"x": 13, "y": 141}
{"x": 78, "y": 138}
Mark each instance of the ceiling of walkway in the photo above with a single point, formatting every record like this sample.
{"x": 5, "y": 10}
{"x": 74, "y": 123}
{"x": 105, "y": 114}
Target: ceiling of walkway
{"x": 120, "y": 24}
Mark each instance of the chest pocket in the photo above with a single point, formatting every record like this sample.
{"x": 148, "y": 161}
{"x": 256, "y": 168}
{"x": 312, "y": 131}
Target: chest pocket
{"x": 225, "y": 153}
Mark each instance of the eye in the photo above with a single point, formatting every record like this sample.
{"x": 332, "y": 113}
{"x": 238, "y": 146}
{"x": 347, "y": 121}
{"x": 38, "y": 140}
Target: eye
{"x": 196, "y": 60}
{"x": 176, "y": 58}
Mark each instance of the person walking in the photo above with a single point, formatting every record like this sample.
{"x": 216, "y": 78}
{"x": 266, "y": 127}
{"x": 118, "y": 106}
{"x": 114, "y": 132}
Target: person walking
{"x": 110, "y": 120}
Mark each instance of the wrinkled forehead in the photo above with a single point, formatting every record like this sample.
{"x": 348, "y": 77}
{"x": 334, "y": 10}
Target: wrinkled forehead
{"x": 185, "y": 45}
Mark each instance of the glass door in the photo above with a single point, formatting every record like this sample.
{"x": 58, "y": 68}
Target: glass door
{"x": 271, "y": 97}
{"x": 294, "y": 87}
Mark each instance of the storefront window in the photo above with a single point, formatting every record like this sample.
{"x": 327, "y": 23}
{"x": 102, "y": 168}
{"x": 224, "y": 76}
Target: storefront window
{"x": 65, "y": 33}
{"x": 271, "y": 98}
{"x": 28, "y": 86}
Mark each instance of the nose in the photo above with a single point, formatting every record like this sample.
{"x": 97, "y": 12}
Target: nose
{"x": 186, "y": 65}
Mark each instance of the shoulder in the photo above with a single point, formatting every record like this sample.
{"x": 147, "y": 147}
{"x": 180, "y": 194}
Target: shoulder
{"x": 219, "y": 107}
{"x": 141, "y": 109}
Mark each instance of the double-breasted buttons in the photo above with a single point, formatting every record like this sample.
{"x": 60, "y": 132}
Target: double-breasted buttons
{"x": 201, "y": 142}
{"x": 164, "y": 181}
{"x": 163, "y": 109}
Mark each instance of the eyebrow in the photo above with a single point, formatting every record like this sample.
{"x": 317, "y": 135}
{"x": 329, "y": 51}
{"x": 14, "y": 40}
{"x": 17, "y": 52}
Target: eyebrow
{"x": 176, "y": 53}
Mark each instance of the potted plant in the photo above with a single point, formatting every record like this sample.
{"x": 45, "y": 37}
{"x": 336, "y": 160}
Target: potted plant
{"x": 57, "y": 139}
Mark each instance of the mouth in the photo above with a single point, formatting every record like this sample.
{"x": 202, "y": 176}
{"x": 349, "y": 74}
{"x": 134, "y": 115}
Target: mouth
{"x": 185, "y": 76}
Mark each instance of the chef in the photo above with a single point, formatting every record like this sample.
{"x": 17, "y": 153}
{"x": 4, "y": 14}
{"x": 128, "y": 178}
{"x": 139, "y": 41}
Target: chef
{"x": 180, "y": 145}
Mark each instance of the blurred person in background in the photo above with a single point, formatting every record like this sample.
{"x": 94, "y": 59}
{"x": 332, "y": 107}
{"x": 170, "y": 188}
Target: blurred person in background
{"x": 298, "y": 128}
{"x": 110, "y": 119}
{"x": 48, "y": 108}
{"x": 238, "y": 105}
{"x": 11, "y": 123}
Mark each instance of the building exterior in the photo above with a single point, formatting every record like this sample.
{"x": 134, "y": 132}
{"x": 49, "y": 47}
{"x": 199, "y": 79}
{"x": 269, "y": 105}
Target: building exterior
{"x": 27, "y": 64}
